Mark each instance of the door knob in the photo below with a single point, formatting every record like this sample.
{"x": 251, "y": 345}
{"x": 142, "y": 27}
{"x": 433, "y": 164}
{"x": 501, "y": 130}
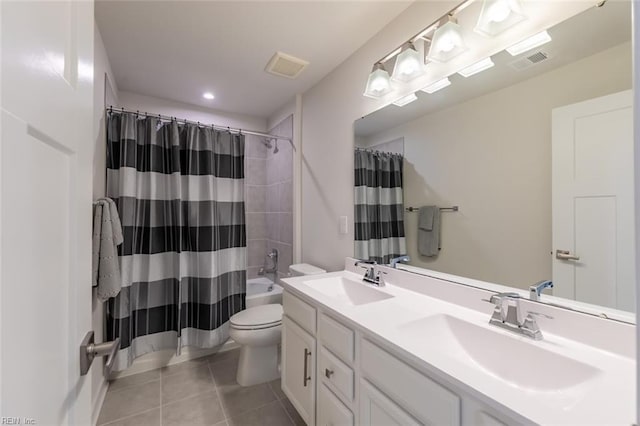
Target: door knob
{"x": 566, "y": 255}
{"x": 89, "y": 350}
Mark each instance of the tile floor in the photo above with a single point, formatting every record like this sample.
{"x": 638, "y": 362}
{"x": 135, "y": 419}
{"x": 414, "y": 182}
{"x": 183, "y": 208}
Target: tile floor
{"x": 197, "y": 392}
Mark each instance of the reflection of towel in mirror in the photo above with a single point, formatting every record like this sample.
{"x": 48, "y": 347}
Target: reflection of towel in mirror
{"x": 429, "y": 231}
{"x": 107, "y": 235}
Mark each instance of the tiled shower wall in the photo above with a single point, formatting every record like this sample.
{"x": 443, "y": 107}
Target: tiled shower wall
{"x": 255, "y": 179}
{"x": 280, "y": 196}
{"x": 268, "y": 198}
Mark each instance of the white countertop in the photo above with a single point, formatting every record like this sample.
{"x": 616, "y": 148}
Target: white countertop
{"x": 606, "y": 398}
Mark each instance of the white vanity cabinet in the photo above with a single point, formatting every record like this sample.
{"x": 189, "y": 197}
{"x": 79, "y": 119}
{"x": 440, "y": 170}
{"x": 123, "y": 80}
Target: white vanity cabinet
{"x": 298, "y": 366}
{"x": 337, "y": 376}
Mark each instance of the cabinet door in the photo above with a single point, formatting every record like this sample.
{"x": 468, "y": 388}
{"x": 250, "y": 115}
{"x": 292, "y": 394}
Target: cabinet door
{"x": 475, "y": 413}
{"x": 331, "y": 411}
{"x": 298, "y": 369}
{"x": 378, "y": 410}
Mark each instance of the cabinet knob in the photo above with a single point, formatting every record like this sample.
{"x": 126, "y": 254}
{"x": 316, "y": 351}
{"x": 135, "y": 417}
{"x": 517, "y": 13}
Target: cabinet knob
{"x": 328, "y": 373}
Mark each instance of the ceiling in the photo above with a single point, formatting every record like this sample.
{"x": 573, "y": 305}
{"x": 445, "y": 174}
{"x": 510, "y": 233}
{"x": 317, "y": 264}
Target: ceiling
{"x": 180, "y": 49}
{"x": 590, "y": 32}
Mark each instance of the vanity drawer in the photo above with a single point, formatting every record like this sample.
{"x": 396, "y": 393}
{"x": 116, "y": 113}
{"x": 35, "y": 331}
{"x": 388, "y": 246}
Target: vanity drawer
{"x": 336, "y": 337}
{"x": 301, "y": 312}
{"x": 425, "y": 399}
{"x": 336, "y": 372}
{"x": 331, "y": 411}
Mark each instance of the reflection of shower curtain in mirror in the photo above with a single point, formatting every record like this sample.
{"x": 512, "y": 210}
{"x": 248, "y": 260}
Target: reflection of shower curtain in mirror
{"x": 379, "y": 206}
{"x": 179, "y": 189}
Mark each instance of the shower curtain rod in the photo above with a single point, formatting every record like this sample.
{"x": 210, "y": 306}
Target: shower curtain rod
{"x": 213, "y": 126}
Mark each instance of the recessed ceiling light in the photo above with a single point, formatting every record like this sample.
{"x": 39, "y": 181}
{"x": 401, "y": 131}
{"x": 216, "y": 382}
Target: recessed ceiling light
{"x": 208, "y": 95}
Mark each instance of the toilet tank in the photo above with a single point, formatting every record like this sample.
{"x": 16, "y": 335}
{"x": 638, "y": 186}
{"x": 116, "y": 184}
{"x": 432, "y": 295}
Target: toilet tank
{"x": 300, "y": 269}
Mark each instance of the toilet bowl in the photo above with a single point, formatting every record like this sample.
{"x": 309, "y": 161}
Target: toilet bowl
{"x": 258, "y": 331}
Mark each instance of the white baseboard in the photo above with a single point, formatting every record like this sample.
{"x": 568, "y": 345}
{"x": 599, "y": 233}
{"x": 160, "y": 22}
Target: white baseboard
{"x": 161, "y": 359}
{"x": 98, "y": 402}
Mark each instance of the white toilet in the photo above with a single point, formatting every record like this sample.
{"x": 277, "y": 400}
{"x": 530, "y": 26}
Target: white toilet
{"x": 258, "y": 331}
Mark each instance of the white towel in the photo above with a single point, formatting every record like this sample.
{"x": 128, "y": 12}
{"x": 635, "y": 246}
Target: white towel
{"x": 429, "y": 231}
{"x": 107, "y": 235}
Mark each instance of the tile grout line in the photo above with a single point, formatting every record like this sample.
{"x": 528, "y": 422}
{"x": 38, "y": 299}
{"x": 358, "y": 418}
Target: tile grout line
{"x": 127, "y": 417}
{"x": 135, "y": 413}
{"x": 161, "y": 420}
{"x": 218, "y": 393}
{"x": 284, "y": 408}
{"x": 136, "y": 384}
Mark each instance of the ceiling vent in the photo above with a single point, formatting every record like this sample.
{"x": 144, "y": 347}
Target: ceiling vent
{"x": 529, "y": 61}
{"x": 286, "y": 65}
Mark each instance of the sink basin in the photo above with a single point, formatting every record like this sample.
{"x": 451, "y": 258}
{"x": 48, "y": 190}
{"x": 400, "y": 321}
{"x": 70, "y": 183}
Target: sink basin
{"x": 347, "y": 291}
{"x": 508, "y": 358}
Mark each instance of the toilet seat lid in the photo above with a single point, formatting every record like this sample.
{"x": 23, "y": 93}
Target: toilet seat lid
{"x": 263, "y": 315}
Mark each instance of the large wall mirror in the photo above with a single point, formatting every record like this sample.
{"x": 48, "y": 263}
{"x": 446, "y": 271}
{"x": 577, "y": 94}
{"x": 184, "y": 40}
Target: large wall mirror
{"x": 535, "y": 153}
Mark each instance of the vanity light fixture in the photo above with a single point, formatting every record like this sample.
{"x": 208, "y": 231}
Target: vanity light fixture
{"x": 379, "y": 82}
{"x": 479, "y": 66}
{"x": 409, "y": 64}
{"x": 208, "y": 96}
{"x": 499, "y": 15}
{"x": 438, "y": 85}
{"x": 406, "y": 100}
{"x": 447, "y": 42}
{"x": 529, "y": 43}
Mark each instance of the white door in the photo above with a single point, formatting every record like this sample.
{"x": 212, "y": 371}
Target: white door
{"x": 593, "y": 204}
{"x": 298, "y": 369}
{"x": 45, "y": 209}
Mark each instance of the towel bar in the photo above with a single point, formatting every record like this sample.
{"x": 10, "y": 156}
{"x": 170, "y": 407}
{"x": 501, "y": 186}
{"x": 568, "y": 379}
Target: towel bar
{"x": 451, "y": 209}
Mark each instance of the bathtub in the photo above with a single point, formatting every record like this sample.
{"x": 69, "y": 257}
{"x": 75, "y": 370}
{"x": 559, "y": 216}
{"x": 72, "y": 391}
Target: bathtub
{"x": 257, "y": 293}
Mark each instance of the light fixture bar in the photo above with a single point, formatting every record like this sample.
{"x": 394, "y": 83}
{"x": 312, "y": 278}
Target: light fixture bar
{"x": 462, "y": 5}
{"x": 479, "y": 66}
{"x": 529, "y": 43}
{"x": 391, "y": 55}
{"x": 438, "y": 85}
{"x": 406, "y": 100}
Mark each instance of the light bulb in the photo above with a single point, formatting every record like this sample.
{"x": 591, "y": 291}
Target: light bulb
{"x": 408, "y": 67}
{"x": 379, "y": 84}
{"x": 409, "y": 64}
{"x": 447, "y": 43}
{"x": 499, "y": 11}
{"x": 498, "y": 16}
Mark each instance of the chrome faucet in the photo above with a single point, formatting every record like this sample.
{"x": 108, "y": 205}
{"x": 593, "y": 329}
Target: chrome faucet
{"x": 396, "y": 260}
{"x": 371, "y": 276}
{"x": 536, "y": 289}
{"x": 507, "y": 314}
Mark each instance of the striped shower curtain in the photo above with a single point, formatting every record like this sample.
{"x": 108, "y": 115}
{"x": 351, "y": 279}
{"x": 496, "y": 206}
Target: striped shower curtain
{"x": 179, "y": 189}
{"x": 379, "y": 208}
